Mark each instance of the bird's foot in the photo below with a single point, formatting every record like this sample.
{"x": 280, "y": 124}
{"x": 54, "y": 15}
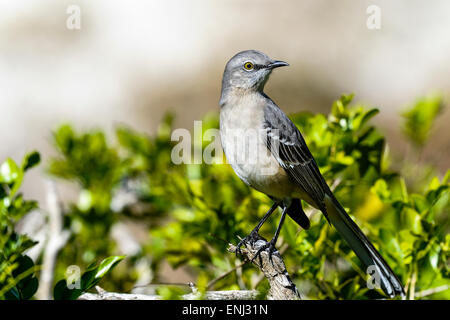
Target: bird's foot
{"x": 251, "y": 238}
{"x": 271, "y": 249}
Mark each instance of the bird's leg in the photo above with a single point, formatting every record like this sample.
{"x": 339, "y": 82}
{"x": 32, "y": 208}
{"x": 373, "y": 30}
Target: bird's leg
{"x": 271, "y": 243}
{"x": 254, "y": 234}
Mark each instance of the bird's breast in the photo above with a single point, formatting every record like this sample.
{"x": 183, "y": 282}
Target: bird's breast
{"x": 244, "y": 143}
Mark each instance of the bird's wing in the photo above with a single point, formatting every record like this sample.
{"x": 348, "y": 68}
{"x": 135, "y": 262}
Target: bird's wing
{"x": 289, "y": 148}
{"x": 287, "y": 145}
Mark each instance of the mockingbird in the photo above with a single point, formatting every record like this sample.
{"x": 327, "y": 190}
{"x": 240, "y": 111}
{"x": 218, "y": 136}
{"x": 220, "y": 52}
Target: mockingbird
{"x": 268, "y": 153}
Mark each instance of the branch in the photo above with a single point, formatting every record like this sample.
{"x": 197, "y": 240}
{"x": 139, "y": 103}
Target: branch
{"x": 209, "y": 295}
{"x": 212, "y": 282}
{"x": 413, "y": 284}
{"x": 281, "y": 286}
{"x": 431, "y": 291}
{"x": 57, "y": 238}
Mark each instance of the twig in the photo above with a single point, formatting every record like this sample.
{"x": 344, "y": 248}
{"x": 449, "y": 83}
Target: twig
{"x": 212, "y": 282}
{"x": 336, "y": 183}
{"x": 281, "y": 286}
{"x": 431, "y": 291}
{"x": 413, "y": 284}
{"x": 57, "y": 238}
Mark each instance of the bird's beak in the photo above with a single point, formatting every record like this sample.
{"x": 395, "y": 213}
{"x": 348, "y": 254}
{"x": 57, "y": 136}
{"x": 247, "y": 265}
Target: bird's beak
{"x": 276, "y": 64}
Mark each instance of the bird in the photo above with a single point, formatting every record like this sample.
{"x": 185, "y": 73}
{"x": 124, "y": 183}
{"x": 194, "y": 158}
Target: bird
{"x": 268, "y": 153}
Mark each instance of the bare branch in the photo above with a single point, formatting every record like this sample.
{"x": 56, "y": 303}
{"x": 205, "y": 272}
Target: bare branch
{"x": 209, "y": 295}
{"x": 413, "y": 284}
{"x": 431, "y": 291}
{"x": 56, "y": 239}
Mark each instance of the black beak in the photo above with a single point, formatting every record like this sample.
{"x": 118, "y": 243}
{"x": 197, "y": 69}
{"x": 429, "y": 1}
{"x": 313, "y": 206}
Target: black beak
{"x": 276, "y": 64}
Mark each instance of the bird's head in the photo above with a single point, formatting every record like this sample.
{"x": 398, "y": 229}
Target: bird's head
{"x": 249, "y": 70}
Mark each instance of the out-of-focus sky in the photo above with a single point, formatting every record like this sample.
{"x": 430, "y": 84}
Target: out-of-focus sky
{"x": 131, "y": 61}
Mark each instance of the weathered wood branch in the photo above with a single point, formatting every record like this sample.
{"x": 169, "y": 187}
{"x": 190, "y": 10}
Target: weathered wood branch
{"x": 209, "y": 295}
{"x": 281, "y": 285}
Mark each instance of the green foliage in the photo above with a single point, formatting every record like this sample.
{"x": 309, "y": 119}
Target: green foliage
{"x": 64, "y": 290}
{"x": 192, "y": 211}
{"x": 17, "y": 270}
{"x": 420, "y": 117}
{"x": 18, "y": 279}
{"x": 134, "y": 165}
{"x": 87, "y": 159}
{"x": 351, "y": 156}
{"x": 417, "y": 239}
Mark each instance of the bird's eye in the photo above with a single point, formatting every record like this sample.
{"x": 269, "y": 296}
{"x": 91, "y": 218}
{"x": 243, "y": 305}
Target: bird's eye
{"x": 248, "y": 66}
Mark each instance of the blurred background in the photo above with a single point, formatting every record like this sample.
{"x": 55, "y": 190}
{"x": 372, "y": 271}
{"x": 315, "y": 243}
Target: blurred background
{"x": 131, "y": 61}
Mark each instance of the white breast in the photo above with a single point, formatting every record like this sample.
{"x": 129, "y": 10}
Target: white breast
{"x": 244, "y": 144}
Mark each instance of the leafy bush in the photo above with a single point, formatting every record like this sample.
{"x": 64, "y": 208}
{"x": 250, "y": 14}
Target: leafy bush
{"x": 17, "y": 270}
{"x": 192, "y": 211}
{"x": 18, "y": 279}
{"x": 410, "y": 230}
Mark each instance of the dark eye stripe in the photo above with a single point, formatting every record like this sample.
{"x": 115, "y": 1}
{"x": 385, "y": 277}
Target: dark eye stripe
{"x": 254, "y": 66}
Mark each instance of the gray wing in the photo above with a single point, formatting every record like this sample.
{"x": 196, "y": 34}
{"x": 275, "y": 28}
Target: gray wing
{"x": 287, "y": 145}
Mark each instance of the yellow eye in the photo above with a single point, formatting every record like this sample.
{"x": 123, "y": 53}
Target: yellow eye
{"x": 248, "y": 66}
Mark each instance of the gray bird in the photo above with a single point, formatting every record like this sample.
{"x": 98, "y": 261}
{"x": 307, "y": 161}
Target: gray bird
{"x": 269, "y": 154}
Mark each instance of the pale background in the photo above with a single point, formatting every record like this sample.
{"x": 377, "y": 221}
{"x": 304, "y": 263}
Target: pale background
{"x": 134, "y": 60}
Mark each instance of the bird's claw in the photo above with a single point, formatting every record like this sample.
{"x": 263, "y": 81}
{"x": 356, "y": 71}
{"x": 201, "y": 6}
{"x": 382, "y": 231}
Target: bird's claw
{"x": 252, "y": 237}
{"x": 268, "y": 245}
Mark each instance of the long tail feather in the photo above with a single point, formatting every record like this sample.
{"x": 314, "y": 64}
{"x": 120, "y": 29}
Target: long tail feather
{"x": 365, "y": 251}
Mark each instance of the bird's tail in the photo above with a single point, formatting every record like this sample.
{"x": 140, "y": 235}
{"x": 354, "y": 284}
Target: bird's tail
{"x": 365, "y": 251}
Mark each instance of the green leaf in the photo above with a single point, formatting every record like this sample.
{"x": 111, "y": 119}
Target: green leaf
{"x": 381, "y": 190}
{"x": 420, "y": 202}
{"x": 24, "y": 280}
{"x": 411, "y": 220}
{"x": 88, "y": 280}
{"x": 390, "y": 239}
{"x": 338, "y": 108}
{"x": 9, "y": 171}
{"x": 365, "y": 118}
{"x": 433, "y": 256}
{"x": 31, "y": 160}
{"x": 446, "y": 179}
{"x": 62, "y": 292}
{"x": 107, "y": 265}
{"x": 420, "y": 118}
{"x": 12, "y": 294}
